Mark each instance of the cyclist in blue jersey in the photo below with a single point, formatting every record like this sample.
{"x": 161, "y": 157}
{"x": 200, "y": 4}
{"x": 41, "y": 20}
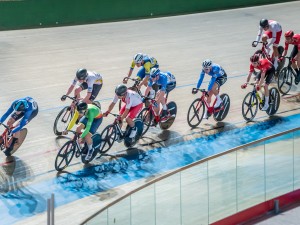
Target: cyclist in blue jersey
{"x": 166, "y": 83}
{"x": 23, "y": 107}
{"x": 147, "y": 63}
{"x": 218, "y": 78}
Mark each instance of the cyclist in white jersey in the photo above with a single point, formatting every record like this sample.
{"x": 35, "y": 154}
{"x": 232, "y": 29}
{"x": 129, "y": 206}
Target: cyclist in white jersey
{"x": 90, "y": 81}
{"x": 133, "y": 105}
{"x": 272, "y": 30}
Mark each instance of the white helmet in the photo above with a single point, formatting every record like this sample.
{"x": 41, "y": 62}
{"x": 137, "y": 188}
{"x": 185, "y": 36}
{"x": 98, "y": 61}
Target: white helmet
{"x": 206, "y": 63}
{"x": 138, "y": 58}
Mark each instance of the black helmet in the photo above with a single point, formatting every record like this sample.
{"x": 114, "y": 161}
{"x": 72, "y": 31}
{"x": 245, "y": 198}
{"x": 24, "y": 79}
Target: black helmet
{"x": 81, "y": 106}
{"x": 263, "y": 23}
{"x": 81, "y": 74}
{"x": 121, "y": 90}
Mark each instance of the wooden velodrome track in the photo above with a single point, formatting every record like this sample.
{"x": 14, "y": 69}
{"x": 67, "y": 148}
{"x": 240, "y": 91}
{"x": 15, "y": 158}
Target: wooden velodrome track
{"x": 42, "y": 63}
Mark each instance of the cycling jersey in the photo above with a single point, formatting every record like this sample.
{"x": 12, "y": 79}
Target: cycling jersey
{"x": 264, "y": 65}
{"x": 296, "y": 42}
{"x": 28, "y": 112}
{"x": 272, "y": 32}
{"x": 131, "y": 99}
{"x": 149, "y": 63}
{"x": 93, "y": 112}
{"x": 92, "y": 78}
{"x": 164, "y": 80}
{"x": 215, "y": 72}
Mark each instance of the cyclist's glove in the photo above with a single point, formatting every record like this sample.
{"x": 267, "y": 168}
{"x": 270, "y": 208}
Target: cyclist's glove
{"x": 243, "y": 86}
{"x": 194, "y": 91}
{"x": 106, "y": 113}
{"x": 254, "y": 44}
{"x": 63, "y": 98}
{"x": 257, "y": 87}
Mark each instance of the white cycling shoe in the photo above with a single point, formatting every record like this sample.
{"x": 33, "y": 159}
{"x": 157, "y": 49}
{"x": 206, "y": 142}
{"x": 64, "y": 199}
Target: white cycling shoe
{"x": 89, "y": 154}
{"x": 218, "y": 103}
{"x": 266, "y": 106}
{"x": 133, "y": 133}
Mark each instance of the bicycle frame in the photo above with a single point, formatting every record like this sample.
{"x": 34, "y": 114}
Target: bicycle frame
{"x": 263, "y": 50}
{"x": 4, "y": 136}
{"x": 210, "y": 109}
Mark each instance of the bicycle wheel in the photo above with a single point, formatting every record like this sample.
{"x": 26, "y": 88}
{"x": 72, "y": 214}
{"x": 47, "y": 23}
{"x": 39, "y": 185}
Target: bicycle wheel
{"x": 108, "y": 137}
{"x": 23, "y": 134}
{"x": 65, "y": 155}
{"x": 195, "y": 113}
{"x": 62, "y": 120}
{"x": 146, "y": 116}
{"x": 249, "y": 106}
{"x": 221, "y": 114}
{"x": 172, "y": 109}
{"x": 285, "y": 80}
{"x": 274, "y": 101}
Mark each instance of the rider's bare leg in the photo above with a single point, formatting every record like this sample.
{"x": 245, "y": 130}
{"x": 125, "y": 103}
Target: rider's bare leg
{"x": 77, "y": 92}
{"x": 275, "y": 55}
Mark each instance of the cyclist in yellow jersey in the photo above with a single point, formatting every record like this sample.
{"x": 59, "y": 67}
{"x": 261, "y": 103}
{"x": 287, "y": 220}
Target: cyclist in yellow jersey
{"x": 90, "y": 120}
{"x": 147, "y": 63}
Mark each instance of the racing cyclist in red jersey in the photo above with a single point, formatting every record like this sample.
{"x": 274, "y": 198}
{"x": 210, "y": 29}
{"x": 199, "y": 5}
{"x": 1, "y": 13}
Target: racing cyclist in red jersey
{"x": 293, "y": 39}
{"x": 266, "y": 74}
{"x": 273, "y": 31}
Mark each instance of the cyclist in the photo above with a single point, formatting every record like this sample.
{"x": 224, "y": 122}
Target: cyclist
{"x": 272, "y": 30}
{"x": 266, "y": 74}
{"x": 147, "y": 63}
{"x": 89, "y": 80}
{"x": 293, "y": 39}
{"x": 133, "y": 105}
{"x": 218, "y": 78}
{"x": 90, "y": 118}
{"x": 166, "y": 83}
{"x": 25, "y": 108}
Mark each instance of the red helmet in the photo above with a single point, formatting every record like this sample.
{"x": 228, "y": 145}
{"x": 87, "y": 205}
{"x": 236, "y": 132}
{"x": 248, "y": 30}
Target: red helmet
{"x": 289, "y": 33}
{"x": 254, "y": 58}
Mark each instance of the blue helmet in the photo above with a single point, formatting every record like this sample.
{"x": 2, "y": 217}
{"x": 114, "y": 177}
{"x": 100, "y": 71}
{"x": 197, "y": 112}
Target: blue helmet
{"x": 154, "y": 72}
{"x": 20, "y": 105}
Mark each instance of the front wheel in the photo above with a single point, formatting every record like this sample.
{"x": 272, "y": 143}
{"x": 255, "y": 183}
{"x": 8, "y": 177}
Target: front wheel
{"x": 285, "y": 80}
{"x": 249, "y": 106}
{"x": 147, "y": 117}
{"x": 65, "y": 155}
{"x": 274, "y": 101}
{"x": 195, "y": 113}
{"x": 62, "y": 120}
{"x": 108, "y": 137}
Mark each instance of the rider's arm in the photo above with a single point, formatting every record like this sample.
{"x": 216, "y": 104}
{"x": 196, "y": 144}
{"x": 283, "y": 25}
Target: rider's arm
{"x": 211, "y": 83}
{"x": 286, "y": 48}
{"x": 131, "y": 68}
{"x": 259, "y": 33}
{"x": 251, "y": 70}
{"x": 73, "y": 120}
{"x": 112, "y": 105}
{"x": 144, "y": 81}
{"x": 8, "y": 112}
{"x": 201, "y": 77}
{"x": 70, "y": 89}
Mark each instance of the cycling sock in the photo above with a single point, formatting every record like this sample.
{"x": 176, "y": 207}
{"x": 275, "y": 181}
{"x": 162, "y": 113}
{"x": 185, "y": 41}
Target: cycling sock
{"x": 267, "y": 100}
{"x": 90, "y": 147}
{"x": 218, "y": 97}
{"x": 165, "y": 107}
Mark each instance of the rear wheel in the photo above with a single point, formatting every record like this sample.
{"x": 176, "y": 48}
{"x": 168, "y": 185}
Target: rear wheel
{"x": 195, "y": 113}
{"x": 285, "y": 80}
{"x": 62, "y": 120}
{"x": 23, "y": 133}
{"x": 249, "y": 106}
{"x": 65, "y": 155}
{"x": 108, "y": 137}
{"x": 220, "y": 115}
{"x": 274, "y": 101}
{"x": 146, "y": 116}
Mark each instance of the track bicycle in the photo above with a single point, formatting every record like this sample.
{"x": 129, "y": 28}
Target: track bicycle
{"x": 197, "y": 108}
{"x": 265, "y": 55}
{"x": 150, "y": 118}
{"x": 113, "y": 132}
{"x": 253, "y": 100}
{"x": 5, "y": 139}
{"x": 73, "y": 148}
{"x": 65, "y": 115}
{"x": 285, "y": 77}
